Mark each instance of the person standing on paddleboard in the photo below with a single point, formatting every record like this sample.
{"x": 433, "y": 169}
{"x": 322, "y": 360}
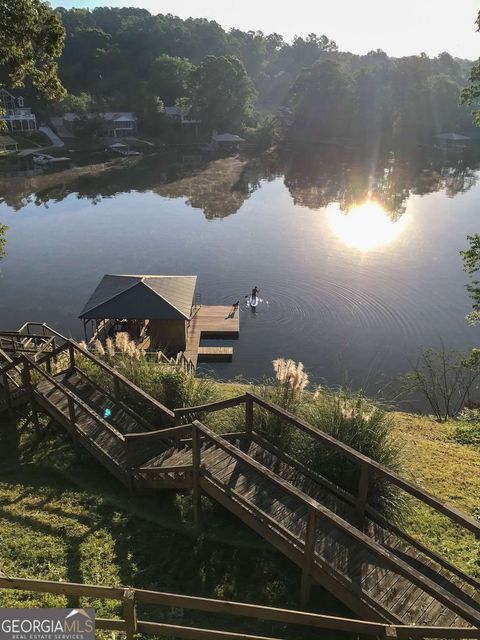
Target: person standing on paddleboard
{"x": 255, "y": 290}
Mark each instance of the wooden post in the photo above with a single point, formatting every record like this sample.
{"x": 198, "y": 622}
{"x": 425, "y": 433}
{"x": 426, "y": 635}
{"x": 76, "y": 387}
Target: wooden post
{"x": 27, "y": 383}
{"x": 8, "y": 397}
{"x": 116, "y": 389}
{"x": 362, "y": 494}
{"x": 249, "y": 416}
{"x": 130, "y": 613}
{"x": 71, "y": 354}
{"x": 196, "y": 462}
{"x": 310, "y": 539}
{"x": 72, "y": 418}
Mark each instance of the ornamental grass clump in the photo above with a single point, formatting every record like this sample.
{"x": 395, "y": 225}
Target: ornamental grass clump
{"x": 350, "y": 418}
{"x": 286, "y": 390}
{"x": 153, "y": 372}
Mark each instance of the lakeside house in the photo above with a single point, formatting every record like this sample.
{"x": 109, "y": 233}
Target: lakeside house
{"x": 16, "y": 115}
{"x": 7, "y": 144}
{"x": 114, "y": 124}
{"x": 180, "y": 116}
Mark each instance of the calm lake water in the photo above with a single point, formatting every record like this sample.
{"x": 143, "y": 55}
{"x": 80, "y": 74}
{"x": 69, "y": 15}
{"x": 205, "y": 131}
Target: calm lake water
{"x": 356, "y": 254}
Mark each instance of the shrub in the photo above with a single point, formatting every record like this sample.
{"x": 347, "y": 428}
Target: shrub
{"x": 154, "y": 373}
{"x": 353, "y": 420}
{"x": 445, "y": 379}
{"x": 467, "y": 434}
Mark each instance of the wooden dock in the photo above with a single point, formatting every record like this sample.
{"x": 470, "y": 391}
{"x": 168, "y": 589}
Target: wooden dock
{"x": 336, "y": 538}
{"x": 211, "y": 322}
{"x": 215, "y": 354}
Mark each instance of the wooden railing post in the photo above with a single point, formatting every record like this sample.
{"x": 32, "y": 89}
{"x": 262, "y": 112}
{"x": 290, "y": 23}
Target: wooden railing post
{"x": 362, "y": 494}
{"x": 8, "y": 397}
{"x": 27, "y": 383}
{"x": 130, "y": 613}
{"x": 71, "y": 355}
{"x": 249, "y": 415}
{"x": 116, "y": 389}
{"x": 72, "y": 418}
{"x": 308, "y": 554}
{"x": 196, "y": 462}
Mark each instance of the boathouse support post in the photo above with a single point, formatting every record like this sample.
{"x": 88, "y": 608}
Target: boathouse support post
{"x": 196, "y": 462}
{"x": 308, "y": 554}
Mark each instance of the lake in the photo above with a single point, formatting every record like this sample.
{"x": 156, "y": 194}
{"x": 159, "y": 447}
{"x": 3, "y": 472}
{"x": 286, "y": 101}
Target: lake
{"x": 356, "y": 254}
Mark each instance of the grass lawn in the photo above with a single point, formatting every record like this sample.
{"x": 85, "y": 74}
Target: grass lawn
{"x": 31, "y": 140}
{"x": 450, "y": 471}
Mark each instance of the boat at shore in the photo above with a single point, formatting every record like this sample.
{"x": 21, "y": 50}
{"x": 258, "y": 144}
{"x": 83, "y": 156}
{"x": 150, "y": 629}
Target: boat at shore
{"x": 43, "y": 158}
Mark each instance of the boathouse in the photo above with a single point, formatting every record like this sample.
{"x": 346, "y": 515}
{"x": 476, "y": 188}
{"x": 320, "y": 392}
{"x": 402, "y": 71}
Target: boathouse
{"x": 160, "y": 313}
{"x": 160, "y": 306}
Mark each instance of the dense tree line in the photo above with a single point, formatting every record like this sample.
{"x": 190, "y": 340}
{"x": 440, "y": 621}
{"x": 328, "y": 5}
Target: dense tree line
{"x": 305, "y": 90}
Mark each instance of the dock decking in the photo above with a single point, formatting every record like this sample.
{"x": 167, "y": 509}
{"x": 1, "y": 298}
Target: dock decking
{"x": 212, "y": 322}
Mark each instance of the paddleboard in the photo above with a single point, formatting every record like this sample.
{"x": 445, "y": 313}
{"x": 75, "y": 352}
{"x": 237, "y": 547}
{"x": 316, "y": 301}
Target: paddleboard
{"x": 253, "y": 302}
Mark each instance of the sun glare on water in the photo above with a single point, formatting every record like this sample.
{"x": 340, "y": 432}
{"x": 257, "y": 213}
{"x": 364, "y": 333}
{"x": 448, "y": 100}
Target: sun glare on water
{"x": 366, "y": 226}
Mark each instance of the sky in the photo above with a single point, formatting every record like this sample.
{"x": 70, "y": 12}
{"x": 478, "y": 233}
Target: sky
{"x": 400, "y": 27}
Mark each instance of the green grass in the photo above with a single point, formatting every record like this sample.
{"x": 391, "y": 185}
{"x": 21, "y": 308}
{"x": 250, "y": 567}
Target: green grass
{"x": 449, "y": 470}
{"x": 31, "y": 140}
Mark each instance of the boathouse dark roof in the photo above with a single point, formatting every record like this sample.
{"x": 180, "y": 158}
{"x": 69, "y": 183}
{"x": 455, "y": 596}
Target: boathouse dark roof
{"x": 137, "y": 297}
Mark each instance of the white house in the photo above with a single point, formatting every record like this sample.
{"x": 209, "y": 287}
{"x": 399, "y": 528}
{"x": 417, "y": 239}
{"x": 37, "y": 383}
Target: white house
{"x": 116, "y": 124}
{"x": 177, "y": 114}
{"x": 17, "y": 116}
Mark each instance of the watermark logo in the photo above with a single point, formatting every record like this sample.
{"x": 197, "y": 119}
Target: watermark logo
{"x": 47, "y": 624}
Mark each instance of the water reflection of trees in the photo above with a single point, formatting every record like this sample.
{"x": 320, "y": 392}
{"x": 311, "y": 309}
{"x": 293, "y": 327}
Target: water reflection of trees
{"x": 3, "y": 239}
{"x": 219, "y": 187}
{"x": 351, "y": 177}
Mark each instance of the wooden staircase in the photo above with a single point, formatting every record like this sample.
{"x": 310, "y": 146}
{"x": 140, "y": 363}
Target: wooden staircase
{"x": 336, "y": 538}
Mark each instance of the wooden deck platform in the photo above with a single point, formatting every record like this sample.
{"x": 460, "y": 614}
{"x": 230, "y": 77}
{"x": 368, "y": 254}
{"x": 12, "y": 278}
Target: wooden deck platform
{"x": 215, "y": 354}
{"x": 211, "y": 322}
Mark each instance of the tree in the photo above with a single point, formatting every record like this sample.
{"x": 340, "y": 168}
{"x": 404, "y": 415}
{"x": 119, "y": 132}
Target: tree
{"x": 170, "y": 78}
{"x": 321, "y": 99}
{"x": 471, "y": 94}
{"x": 31, "y": 39}
{"x": 83, "y": 103}
{"x": 222, "y": 92}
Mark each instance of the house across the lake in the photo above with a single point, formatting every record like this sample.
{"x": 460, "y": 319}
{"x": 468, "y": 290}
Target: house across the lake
{"x": 159, "y": 313}
{"x": 16, "y": 115}
{"x": 113, "y": 124}
{"x": 179, "y": 115}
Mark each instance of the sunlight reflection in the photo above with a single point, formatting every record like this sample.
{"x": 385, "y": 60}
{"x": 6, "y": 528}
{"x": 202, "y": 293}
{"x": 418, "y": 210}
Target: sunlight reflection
{"x": 366, "y": 226}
